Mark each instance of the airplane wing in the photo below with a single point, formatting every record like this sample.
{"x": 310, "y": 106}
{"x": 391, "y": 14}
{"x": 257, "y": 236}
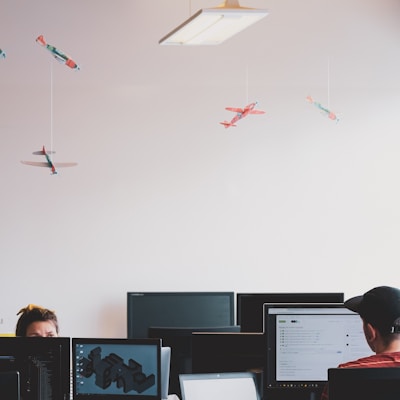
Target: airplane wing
{"x": 40, "y": 152}
{"x": 235, "y": 109}
{"x": 46, "y": 164}
{"x": 257, "y": 112}
{"x": 36, "y": 163}
{"x": 65, "y": 164}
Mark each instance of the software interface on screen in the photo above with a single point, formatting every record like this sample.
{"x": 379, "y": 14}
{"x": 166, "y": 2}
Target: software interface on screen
{"x": 43, "y": 366}
{"x": 116, "y": 367}
{"x": 178, "y": 309}
{"x": 304, "y": 341}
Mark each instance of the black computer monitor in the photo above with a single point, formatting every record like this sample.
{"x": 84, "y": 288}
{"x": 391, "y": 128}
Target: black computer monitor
{"x": 43, "y": 365}
{"x": 180, "y": 341}
{"x": 228, "y": 352}
{"x": 249, "y": 306}
{"x": 215, "y": 352}
{"x": 116, "y": 369}
{"x": 178, "y": 309}
{"x": 364, "y": 383}
{"x": 303, "y": 342}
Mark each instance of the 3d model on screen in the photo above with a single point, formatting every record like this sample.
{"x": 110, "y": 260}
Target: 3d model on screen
{"x": 48, "y": 163}
{"x": 2, "y": 54}
{"x": 112, "y": 369}
{"x": 241, "y": 113}
{"x": 57, "y": 54}
{"x": 331, "y": 115}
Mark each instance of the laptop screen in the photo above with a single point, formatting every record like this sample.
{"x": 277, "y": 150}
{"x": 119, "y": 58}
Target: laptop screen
{"x": 115, "y": 369}
{"x": 219, "y": 386}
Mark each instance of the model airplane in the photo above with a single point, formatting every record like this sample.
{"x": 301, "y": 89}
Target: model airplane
{"x": 2, "y": 54}
{"x": 331, "y": 115}
{"x": 49, "y": 163}
{"x": 241, "y": 113}
{"x": 57, "y": 54}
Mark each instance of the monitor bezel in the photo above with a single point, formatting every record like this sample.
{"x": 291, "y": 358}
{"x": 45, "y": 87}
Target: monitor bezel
{"x": 116, "y": 341}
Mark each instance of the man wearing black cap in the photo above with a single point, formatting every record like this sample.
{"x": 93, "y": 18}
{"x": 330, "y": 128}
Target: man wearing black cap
{"x": 379, "y": 310}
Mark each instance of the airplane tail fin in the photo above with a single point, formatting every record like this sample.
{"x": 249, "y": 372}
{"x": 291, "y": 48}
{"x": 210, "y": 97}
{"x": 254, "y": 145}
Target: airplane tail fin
{"x": 40, "y": 40}
{"x": 310, "y": 99}
{"x": 227, "y": 124}
{"x": 43, "y": 152}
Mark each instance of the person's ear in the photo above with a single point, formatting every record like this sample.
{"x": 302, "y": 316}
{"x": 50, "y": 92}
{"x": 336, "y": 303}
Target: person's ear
{"x": 370, "y": 334}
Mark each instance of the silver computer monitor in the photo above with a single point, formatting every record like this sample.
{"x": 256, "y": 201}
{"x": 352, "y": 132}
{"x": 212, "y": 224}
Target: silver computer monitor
{"x": 219, "y": 386}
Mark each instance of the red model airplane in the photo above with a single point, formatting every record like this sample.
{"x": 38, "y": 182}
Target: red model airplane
{"x": 241, "y": 113}
{"x": 49, "y": 163}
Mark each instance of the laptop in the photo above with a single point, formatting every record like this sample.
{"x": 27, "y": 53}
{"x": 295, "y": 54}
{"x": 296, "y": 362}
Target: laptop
{"x": 219, "y": 386}
{"x": 165, "y": 367}
{"x": 10, "y": 385}
{"x": 116, "y": 369}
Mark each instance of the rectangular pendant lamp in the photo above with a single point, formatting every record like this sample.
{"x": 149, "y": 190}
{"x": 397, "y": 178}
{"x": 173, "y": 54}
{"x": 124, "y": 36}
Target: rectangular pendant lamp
{"x": 210, "y": 26}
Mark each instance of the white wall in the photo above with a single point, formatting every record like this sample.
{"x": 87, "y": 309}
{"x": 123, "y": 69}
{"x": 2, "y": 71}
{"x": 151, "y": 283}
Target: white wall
{"x": 165, "y": 198}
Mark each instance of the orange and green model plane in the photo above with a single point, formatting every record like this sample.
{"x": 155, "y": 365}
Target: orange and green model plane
{"x": 57, "y": 54}
{"x": 49, "y": 162}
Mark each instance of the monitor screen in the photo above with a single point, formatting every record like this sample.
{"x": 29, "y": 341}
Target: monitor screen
{"x": 178, "y": 309}
{"x": 305, "y": 340}
{"x": 249, "y": 306}
{"x": 43, "y": 365}
{"x": 364, "y": 383}
{"x": 116, "y": 369}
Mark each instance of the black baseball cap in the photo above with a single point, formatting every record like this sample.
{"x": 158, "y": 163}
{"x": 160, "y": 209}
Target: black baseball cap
{"x": 380, "y": 307}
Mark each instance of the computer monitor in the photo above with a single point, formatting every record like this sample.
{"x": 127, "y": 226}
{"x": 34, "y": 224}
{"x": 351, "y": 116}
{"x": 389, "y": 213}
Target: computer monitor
{"x": 303, "y": 342}
{"x": 116, "y": 369}
{"x": 249, "y": 306}
{"x": 228, "y": 352}
{"x": 219, "y": 386}
{"x": 178, "y": 309}
{"x": 364, "y": 383}
{"x": 180, "y": 341}
{"x": 214, "y": 352}
{"x": 43, "y": 365}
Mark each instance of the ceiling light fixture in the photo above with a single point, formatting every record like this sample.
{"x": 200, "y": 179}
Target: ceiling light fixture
{"x": 211, "y": 26}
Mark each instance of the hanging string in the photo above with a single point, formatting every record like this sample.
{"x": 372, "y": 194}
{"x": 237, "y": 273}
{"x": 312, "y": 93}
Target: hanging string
{"x": 247, "y": 83}
{"x": 328, "y": 24}
{"x": 329, "y": 84}
{"x": 51, "y": 110}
